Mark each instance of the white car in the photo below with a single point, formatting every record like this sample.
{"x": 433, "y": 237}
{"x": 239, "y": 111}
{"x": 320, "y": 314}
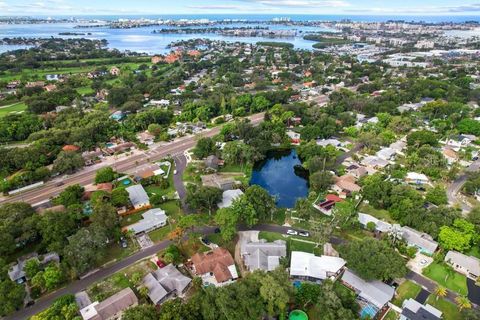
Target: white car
{"x": 174, "y": 171}
{"x": 292, "y": 232}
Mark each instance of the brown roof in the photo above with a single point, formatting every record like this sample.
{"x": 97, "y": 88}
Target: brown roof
{"x": 107, "y": 186}
{"x": 216, "y": 261}
{"x": 70, "y": 147}
{"x": 450, "y": 153}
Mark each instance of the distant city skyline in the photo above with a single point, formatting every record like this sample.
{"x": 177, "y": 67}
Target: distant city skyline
{"x": 281, "y": 7}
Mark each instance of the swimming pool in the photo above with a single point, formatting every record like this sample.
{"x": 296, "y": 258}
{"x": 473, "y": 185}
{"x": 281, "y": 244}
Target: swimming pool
{"x": 368, "y": 311}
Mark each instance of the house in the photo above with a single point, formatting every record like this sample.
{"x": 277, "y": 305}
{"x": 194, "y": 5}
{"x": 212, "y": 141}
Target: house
{"x": 398, "y": 146}
{"x": 216, "y": 266}
{"x": 467, "y": 265}
{"x": 138, "y": 197}
{"x": 156, "y": 59}
{"x": 450, "y": 155}
{"x": 424, "y": 242}
{"x": 263, "y": 255}
{"x": 70, "y": 148}
{"x": 91, "y": 156}
{"x": 212, "y": 162}
{"x": 375, "y": 162}
{"x": 326, "y": 205}
{"x": 386, "y": 154}
{"x": 50, "y": 87}
{"x": 35, "y": 84}
{"x": 380, "y": 226}
{"x": 228, "y": 197}
{"x": 163, "y": 103}
{"x": 373, "y": 295}
{"x": 218, "y": 181}
{"x": 345, "y": 185}
{"x": 16, "y": 272}
{"x": 294, "y": 137}
{"x": 414, "y": 310}
{"x": 114, "y": 71}
{"x": 307, "y": 266}
{"x": 329, "y": 142}
{"x": 148, "y": 171}
{"x": 356, "y": 171}
{"x": 459, "y": 142}
{"x": 164, "y": 283}
{"x": 416, "y": 178}
{"x": 112, "y": 307}
{"x": 146, "y": 137}
{"x": 152, "y": 219}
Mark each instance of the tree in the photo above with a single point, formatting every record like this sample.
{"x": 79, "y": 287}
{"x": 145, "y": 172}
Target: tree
{"x": 103, "y": 175}
{"x": 344, "y": 214}
{"x": 227, "y": 220}
{"x": 70, "y": 196}
{"x": 11, "y": 296}
{"x": 117, "y": 96}
{"x": 53, "y": 277}
{"x": 458, "y": 237}
{"x": 31, "y": 268}
{"x": 119, "y": 197}
{"x": 440, "y": 292}
{"x": 304, "y": 209}
{"x": 463, "y": 303}
{"x": 105, "y": 216}
{"x": 206, "y": 198}
{"x": 376, "y": 189}
{"x": 422, "y": 137}
{"x": 68, "y": 162}
{"x": 262, "y": 202}
{"x": 85, "y": 248}
{"x": 320, "y": 181}
{"x": 55, "y": 228}
{"x": 275, "y": 291}
{"x": 307, "y": 294}
{"x": 244, "y": 210}
{"x": 205, "y": 147}
{"x": 131, "y": 106}
{"x": 373, "y": 259}
{"x": 64, "y": 308}
{"x": 141, "y": 312}
{"x": 437, "y": 195}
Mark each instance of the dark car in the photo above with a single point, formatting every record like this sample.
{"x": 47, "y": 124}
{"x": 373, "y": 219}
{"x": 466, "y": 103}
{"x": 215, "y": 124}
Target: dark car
{"x": 59, "y": 184}
{"x": 30, "y": 303}
{"x": 160, "y": 263}
{"x": 217, "y": 230}
{"x": 206, "y": 241}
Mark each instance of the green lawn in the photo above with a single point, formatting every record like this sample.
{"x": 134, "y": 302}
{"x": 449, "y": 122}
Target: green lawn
{"x": 450, "y": 310}
{"x": 292, "y": 243}
{"x": 377, "y": 213}
{"x": 16, "y": 107}
{"x": 453, "y": 281}
{"x": 391, "y": 315}
{"x": 131, "y": 219}
{"x": 85, "y": 90}
{"x": 474, "y": 251}
{"x": 406, "y": 291}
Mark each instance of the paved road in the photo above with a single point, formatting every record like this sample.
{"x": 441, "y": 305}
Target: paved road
{"x": 357, "y": 147}
{"x": 455, "y": 187}
{"x": 79, "y": 285}
{"x": 180, "y": 165}
{"x": 86, "y": 175}
{"x": 429, "y": 285}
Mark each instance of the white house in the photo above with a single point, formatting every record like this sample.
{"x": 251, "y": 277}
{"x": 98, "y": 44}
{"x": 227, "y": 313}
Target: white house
{"x": 307, "y": 266}
{"x": 138, "y": 197}
{"x": 416, "y": 178}
{"x": 152, "y": 219}
{"x": 467, "y": 265}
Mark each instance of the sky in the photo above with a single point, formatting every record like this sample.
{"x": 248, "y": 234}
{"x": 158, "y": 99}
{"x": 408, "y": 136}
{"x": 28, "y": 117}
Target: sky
{"x": 281, "y": 7}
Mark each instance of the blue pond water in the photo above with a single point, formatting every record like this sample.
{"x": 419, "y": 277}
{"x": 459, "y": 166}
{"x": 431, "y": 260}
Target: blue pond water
{"x": 277, "y": 175}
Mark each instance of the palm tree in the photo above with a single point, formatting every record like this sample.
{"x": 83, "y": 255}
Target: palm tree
{"x": 440, "y": 292}
{"x": 143, "y": 291}
{"x": 463, "y": 303}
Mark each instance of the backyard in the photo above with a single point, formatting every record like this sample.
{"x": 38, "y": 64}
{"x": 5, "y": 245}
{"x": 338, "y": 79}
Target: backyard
{"x": 450, "y": 310}
{"x": 447, "y": 277}
{"x": 406, "y": 291}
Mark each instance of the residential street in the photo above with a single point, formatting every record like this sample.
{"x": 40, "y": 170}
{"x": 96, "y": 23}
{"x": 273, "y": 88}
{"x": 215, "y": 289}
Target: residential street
{"x": 180, "y": 165}
{"x": 79, "y": 285}
{"x": 86, "y": 175}
{"x": 455, "y": 187}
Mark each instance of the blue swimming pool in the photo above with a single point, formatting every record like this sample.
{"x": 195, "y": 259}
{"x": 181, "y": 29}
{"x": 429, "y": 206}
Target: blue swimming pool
{"x": 368, "y": 311}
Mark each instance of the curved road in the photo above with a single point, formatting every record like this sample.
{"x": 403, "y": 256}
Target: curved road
{"x": 127, "y": 165}
{"x": 455, "y": 187}
{"x": 102, "y": 273}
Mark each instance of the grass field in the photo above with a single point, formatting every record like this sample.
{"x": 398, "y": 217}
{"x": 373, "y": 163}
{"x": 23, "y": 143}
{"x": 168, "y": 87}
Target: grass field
{"x": 16, "y": 107}
{"x": 450, "y": 310}
{"x": 453, "y": 280}
{"x": 293, "y": 244}
{"x": 406, "y": 291}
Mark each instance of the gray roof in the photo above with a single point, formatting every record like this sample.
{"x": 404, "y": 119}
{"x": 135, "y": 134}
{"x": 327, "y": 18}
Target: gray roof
{"x": 16, "y": 271}
{"x": 152, "y": 219}
{"x": 116, "y": 303}
{"x": 419, "y": 239}
{"x": 137, "y": 195}
{"x": 172, "y": 279}
{"x": 228, "y": 197}
{"x": 212, "y": 162}
{"x": 164, "y": 281}
{"x": 375, "y": 292}
{"x": 380, "y": 225}
{"x": 414, "y": 310}
{"x": 263, "y": 255}
{"x": 472, "y": 264}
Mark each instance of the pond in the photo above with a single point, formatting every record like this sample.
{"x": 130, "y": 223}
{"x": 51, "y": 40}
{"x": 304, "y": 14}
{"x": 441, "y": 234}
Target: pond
{"x": 277, "y": 174}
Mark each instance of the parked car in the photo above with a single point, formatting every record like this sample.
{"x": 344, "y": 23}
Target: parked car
{"x": 292, "y": 232}
{"x": 123, "y": 242}
{"x": 160, "y": 263}
{"x": 217, "y": 230}
{"x": 206, "y": 241}
{"x": 304, "y": 234}
{"x": 174, "y": 171}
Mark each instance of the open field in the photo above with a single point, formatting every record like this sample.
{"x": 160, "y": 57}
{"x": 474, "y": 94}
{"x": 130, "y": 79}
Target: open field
{"x": 16, "y": 107}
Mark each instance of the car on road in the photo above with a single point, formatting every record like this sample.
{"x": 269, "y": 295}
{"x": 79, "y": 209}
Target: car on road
{"x": 217, "y": 230}
{"x": 59, "y": 184}
{"x": 160, "y": 264}
{"x": 174, "y": 171}
{"x": 304, "y": 234}
{"x": 292, "y": 232}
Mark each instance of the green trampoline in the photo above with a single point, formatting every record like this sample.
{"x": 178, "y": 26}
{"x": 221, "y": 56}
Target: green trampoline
{"x": 298, "y": 315}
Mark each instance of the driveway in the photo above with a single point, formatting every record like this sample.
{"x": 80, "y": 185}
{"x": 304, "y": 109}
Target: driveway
{"x": 419, "y": 263}
{"x": 180, "y": 165}
{"x": 473, "y": 292}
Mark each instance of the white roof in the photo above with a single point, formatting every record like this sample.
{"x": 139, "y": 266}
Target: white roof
{"x": 416, "y": 176}
{"x": 472, "y": 264}
{"x": 386, "y": 153}
{"x": 380, "y": 225}
{"x": 329, "y": 142}
{"x": 152, "y": 219}
{"x": 137, "y": 195}
{"x": 305, "y": 264}
{"x": 375, "y": 292}
{"x": 228, "y": 197}
{"x": 89, "y": 311}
